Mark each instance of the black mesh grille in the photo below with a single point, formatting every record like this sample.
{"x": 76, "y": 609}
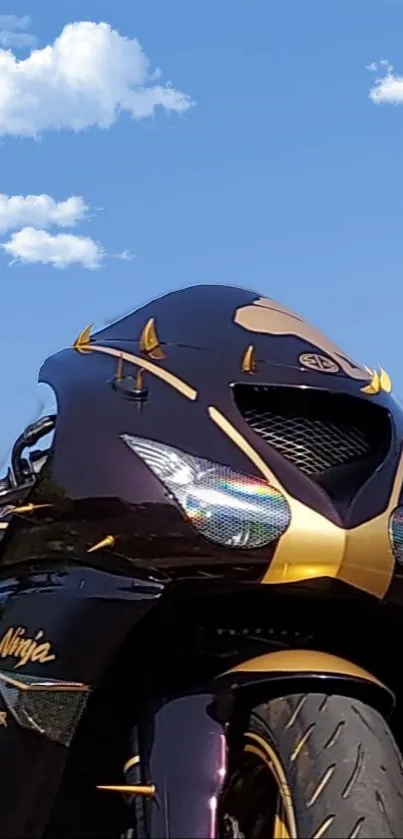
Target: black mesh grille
{"x": 316, "y": 431}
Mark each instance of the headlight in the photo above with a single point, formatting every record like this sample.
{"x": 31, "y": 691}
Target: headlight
{"x": 229, "y": 508}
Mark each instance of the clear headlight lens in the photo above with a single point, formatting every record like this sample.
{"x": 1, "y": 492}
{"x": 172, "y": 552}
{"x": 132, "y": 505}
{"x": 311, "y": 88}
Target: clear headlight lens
{"x": 227, "y": 507}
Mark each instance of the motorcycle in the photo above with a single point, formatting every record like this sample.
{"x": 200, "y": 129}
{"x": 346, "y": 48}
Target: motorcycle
{"x": 201, "y": 592}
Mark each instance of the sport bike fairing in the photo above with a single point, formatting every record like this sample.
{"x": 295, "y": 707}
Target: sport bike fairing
{"x": 247, "y": 401}
{"x": 211, "y": 435}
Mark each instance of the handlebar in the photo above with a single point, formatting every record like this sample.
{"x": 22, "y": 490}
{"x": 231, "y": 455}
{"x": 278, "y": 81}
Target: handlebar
{"x": 29, "y": 438}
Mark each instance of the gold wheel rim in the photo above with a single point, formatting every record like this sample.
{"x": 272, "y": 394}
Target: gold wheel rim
{"x": 280, "y": 828}
{"x": 284, "y": 822}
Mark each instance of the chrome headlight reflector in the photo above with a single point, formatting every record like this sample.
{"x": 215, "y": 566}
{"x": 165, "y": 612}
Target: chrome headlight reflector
{"x": 227, "y": 507}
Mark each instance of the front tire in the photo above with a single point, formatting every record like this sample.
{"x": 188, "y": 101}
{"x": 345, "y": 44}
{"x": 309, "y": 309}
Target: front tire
{"x": 314, "y": 766}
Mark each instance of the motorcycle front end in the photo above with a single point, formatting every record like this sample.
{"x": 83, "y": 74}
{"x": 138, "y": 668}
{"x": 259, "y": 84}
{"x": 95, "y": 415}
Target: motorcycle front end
{"x": 139, "y": 700}
{"x": 186, "y": 719}
{"x": 201, "y": 602}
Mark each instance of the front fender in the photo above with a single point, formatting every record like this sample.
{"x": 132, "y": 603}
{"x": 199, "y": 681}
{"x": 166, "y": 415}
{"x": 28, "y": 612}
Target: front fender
{"x": 296, "y": 670}
{"x": 182, "y": 740}
{"x": 182, "y": 752}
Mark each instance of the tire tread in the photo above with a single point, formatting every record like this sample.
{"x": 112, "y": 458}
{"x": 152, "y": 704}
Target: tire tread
{"x": 342, "y": 764}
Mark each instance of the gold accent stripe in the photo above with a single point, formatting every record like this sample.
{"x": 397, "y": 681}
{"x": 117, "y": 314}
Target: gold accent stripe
{"x": 313, "y": 546}
{"x": 303, "y": 661}
{"x": 243, "y": 444}
{"x": 133, "y": 761}
{"x": 74, "y": 687}
{"x": 170, "y": 379}
{"x": 4, "y": 525}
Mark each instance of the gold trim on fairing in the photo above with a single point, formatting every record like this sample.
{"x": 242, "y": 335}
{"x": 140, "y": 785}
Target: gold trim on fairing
{"x": 82, "y": 345}
{"x": 43, "y": 684}
{"x": 304, "y": 661}
{"x": 313, "y": 546}
{"x": 268, "y": 317}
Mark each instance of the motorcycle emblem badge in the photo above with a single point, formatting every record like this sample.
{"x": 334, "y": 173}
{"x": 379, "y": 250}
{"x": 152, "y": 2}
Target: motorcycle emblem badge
{"x": 320, "y": 363}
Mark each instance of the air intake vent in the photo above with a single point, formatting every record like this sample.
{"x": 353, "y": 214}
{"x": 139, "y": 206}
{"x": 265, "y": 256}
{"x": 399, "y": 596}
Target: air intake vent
{"x": 317, "y": 431}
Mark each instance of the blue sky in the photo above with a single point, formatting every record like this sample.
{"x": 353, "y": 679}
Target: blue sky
{"x": 278, "y": 172}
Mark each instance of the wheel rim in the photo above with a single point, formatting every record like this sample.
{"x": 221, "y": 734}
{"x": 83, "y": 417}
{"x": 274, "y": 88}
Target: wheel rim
{"x": 280, "y": 827}
{"x": 257, "y": 802}
{"x": 285, "y": 809}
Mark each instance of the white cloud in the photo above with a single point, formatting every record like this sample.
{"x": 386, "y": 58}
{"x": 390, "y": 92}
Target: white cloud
{"x": 30, "y": 217}
{"x": 87, "y": 77}
{"x": 14, "y": 22}
{"x": 387, "y": 89}
{"x": 12, "y": 32}
{"x": 16, "y": 39}
{"x": 125, "y": 255}
{"x": 39, "y": 211}
{"x": 61, "y": 250}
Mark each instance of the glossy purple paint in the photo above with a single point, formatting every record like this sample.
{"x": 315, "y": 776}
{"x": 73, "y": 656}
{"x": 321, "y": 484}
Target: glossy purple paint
{"x": 95, "y": 486}
{"x": 187, "y": 763}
